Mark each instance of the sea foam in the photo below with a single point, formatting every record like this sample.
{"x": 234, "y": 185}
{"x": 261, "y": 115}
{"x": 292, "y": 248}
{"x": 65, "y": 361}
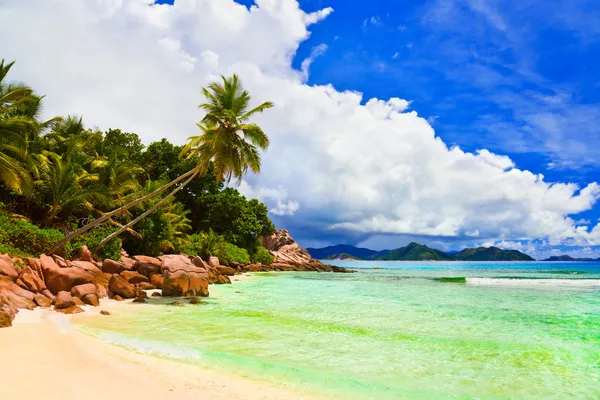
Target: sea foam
{"x": 568, "y": 283}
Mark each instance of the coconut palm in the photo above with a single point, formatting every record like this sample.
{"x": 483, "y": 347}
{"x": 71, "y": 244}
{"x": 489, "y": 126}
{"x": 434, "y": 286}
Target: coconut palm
{"x": 227, "y": 139}
{"x": 68, "y": 190}
{"x": 13, "y": 145}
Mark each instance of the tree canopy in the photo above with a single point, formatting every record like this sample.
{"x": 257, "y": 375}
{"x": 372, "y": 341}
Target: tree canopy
{"x": 59, "y": 174}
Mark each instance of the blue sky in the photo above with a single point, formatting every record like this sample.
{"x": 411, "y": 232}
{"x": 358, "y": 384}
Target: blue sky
{"x": 518, "y": 79}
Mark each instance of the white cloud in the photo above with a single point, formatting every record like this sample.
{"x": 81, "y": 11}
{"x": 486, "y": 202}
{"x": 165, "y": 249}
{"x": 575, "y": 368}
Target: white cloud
{"x": 372, "y": 167}
{"x": 374, "y": 20}
{"x": 316, "y": 52}
{"x": 396, "y": 54}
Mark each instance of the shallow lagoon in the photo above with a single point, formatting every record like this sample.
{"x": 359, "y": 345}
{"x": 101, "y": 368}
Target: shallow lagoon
{"x": 391, "y": 330}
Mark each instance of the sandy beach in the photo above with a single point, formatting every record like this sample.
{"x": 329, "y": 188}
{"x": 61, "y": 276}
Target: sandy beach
{"x": 44, "y": 357}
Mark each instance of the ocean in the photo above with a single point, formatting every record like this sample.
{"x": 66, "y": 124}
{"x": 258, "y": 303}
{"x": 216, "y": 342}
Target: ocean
{"x": 393, "y": 330}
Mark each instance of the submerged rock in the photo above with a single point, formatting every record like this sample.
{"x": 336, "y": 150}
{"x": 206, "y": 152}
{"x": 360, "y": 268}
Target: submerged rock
{"x": 139, "y": 300}
{"x": 104, "y": 312}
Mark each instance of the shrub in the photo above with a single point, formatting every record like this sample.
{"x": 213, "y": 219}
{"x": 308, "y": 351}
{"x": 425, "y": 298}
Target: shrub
{"x": 24, "y": 239}
{"x": 262, "y": 256}
{"x": 205, "y": 245}
{"x": 235, "y": 254}
{"x": 92, "y": 238}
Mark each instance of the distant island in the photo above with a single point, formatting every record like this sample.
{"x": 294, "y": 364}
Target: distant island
{"x": 417, "y": 252}
{"x": 565, "y": 257}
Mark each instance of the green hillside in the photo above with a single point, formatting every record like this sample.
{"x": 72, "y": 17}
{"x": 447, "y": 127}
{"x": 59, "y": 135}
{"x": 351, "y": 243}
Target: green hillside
{"x": 415, "y": 252}
{"x": 341, "y": 256}
{"x": 491, "y": 254}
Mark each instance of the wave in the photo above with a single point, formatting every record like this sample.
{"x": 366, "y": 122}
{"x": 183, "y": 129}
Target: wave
{"x": 154, "y": 348}
{"x": 536, "y": 282}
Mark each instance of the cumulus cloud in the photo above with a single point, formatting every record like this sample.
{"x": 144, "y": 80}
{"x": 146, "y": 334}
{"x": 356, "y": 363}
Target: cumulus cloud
{"x": 372, "y": 166}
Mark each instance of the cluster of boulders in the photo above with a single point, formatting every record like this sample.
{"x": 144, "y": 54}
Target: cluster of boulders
{"x": 67, "y": 285}
{"x": 290, "y": 256}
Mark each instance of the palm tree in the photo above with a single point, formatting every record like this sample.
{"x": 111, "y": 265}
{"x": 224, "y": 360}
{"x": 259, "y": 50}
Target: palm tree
{"x": 227, "y": 139}
{"x": 66, "y": 188}
{"x": 13, "y": 146}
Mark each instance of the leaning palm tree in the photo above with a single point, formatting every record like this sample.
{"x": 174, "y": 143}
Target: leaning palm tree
{"x": 227, "y": 139}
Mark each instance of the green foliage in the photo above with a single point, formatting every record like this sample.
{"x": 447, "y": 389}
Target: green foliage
{"x": 491, "y": 254}
{"x": 91, "y": 239}
{"x": 155, "y": 230}
{"x": 127, "y": 145}
{"x": 240, "y": 221}
{"x": 228, "y": 141}
{"x": 262, "y": 256}
{"x": 60, "y": 175}
{"x": 24, "y": 239}
{"x": 415, "y": 252}
{"x": 235, "y": 254}
{"x": 205, "y": 245}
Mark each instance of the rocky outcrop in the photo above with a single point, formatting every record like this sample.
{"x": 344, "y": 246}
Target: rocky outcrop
{"x": 29, "y": 280}
{"x": 181, "y": 277}
{"x": 91, "y": 299}
{"x": 83, "y": 290}
{"x": 289, "y": 255}
{"x": 63, "y": 279}
{"x": 223, "y": 270}
{"x": 63, "y": 300}
{"x": 147, "y": 266}
{"x": 84, "y": 254}
{"x": 156, "y": 280}
{"x": 7, "y": 268}
{"x": 119, "y": 286}
{"x": 133, "y": 277}
{"x": 112, "y": 267}
{"x": 42, "y": 301}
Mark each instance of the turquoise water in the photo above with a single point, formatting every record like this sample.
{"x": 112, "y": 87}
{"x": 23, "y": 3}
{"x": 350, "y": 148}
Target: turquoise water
{"x": 393, "y": 330}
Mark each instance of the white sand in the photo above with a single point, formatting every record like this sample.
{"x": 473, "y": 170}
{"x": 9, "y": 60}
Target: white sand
{"x": 43, "y": 357}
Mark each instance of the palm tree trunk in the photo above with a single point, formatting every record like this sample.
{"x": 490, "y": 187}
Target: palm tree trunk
{"x": 119, "y": 210}
{"x": 145, "y": 214}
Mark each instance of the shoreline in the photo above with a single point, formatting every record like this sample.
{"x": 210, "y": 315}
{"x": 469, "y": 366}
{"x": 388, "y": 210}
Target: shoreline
{"x": 69, "y": 364}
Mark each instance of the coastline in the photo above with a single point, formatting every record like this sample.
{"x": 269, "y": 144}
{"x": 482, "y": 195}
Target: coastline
{"x": 69, "y": 364}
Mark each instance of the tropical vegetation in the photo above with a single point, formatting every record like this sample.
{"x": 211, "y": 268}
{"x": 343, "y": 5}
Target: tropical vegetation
{"x": 63, "y": 184}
